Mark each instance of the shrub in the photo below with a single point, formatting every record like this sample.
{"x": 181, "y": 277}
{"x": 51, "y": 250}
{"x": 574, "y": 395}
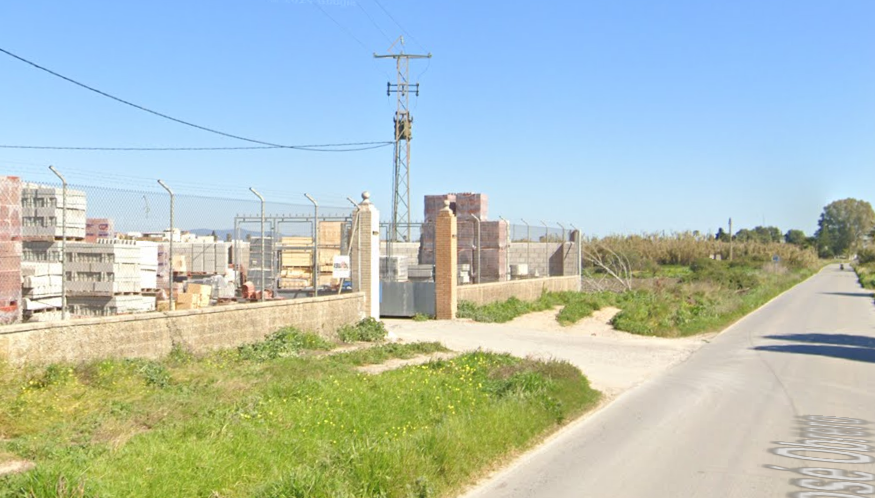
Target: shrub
{"x": 866, "y": 256}
{"x": 367, "y": 330}
{"x": 285, "y": 342}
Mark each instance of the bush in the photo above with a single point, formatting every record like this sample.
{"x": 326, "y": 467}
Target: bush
{"x": 367, "y": 330}
{"x": 285, "y": 342}
{"x": 866, "y": 256}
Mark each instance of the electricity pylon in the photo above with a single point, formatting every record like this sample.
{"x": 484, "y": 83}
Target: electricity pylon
{"x": 403, "y": 122}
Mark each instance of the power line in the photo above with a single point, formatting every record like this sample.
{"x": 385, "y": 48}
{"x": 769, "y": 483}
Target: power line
{"x": 359, "y": 146}
{"x": 388, "y": 39}
{"x": 150, "y": 111}
{"x": 399, "y": 25}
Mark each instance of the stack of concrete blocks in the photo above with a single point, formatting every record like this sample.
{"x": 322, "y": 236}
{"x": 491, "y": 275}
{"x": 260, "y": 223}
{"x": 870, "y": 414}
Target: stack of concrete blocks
{"x": 104, "y": 278}
{"x": 262, "y": 265}
{"x": 41, "y": 288}
{"x": 43, "y": 218}
{"x": 98, "y": 228}
{"x": 394, "y": 268}
{"x": 202, "y": 257}
{"x": 10, "y": 250}
{"x": 420, "y": 273}
{"x": 41, "y": 281}
{"x": 42, "y": 212}
{"x": 162, "y": 271}
{"x": 149, "y": 266}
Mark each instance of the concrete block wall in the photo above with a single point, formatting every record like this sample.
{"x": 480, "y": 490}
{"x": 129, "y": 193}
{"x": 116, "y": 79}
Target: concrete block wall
{"x": 153, "y": 335}
{"x": 524, "y": 290}
{"x": 559, "y": 258}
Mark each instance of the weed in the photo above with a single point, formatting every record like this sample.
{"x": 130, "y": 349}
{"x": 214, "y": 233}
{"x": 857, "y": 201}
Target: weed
{"x": 420, "y": 317}
{"x": 367, "y": 330}
{"x": 285, "y": 342}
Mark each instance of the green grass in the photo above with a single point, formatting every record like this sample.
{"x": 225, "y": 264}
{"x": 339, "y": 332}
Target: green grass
{"x": 866, "y": 275}
{"x": 710, "y": 296}
{"x": 575, "y": 306}
{"x": 272, "y": 420}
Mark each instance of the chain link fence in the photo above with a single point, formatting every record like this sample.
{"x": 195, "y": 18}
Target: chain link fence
{"x": 74, "y": 249}
{"x": 488, "y": 251}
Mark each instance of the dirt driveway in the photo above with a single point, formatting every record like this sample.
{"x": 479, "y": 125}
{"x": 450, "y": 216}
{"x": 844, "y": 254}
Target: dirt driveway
{"x": 613, "y": 361}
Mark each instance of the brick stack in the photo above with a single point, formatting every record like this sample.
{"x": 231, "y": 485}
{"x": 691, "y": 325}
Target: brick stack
{"x": 10, "y": 249}
{"x": 433, "y": 205}
{"x": 42, "y": 213}
{"x": 104, "y": 278}
{"x": 98, "y": 228}
{"x": 493, "y": 256}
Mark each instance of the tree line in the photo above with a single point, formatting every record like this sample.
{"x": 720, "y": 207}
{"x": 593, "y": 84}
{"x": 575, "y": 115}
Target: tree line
{"x": 844, "y": 228}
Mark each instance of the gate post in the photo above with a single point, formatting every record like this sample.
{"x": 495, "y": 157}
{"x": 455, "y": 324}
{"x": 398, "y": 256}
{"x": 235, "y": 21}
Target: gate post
{"x": 365, "y": 259}
{"x": 446, "y": 257}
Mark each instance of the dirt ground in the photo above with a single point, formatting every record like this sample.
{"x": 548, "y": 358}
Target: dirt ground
{"x": 613, "y": 361}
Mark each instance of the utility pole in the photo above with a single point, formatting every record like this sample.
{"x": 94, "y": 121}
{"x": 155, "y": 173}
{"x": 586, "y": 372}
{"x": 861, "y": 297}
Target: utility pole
{"x": 730, "y": 239}
{"x": 403, "y": 122}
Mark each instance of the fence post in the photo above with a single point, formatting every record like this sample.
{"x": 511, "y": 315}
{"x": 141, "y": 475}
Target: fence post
{"x": 170, "y": 251}
{"x": 528, "y": 244}
{"x": 368, "y": 255}
{"x": 479, "y": 247}
{"x": 446, "y": 263}
{"x": 562, "y": 247}
{"x": 578, "y": 241}
{"x": 506, "y": 248}
{"x": 263, "y": 255}
{"x": 315, "y": 245}
{"x": 546, "y": 248}
{"x": 63, "y": 243}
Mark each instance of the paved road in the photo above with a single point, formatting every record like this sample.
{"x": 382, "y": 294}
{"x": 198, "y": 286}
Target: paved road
{"x": 748, "y": 415}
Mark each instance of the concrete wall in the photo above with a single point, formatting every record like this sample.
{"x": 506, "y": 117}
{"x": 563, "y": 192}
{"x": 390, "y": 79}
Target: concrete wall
{"x": 561, "y": 256}
{"x": 525, "y": 290}
{"x": 152, "y": 335}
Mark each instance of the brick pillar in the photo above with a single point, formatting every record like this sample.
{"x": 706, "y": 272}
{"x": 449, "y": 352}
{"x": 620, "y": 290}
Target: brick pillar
{"x": 365, "y": 254}
{"x": 446, "y": 264}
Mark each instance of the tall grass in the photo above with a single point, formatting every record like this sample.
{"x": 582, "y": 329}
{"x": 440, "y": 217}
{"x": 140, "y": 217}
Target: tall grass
{"x": 649, "y": 251}
{"x": 244, "y": 423}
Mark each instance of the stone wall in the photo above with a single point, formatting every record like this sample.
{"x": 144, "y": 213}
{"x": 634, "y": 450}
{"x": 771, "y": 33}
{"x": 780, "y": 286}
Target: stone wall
{"x": 152, "y": 335}
{"x": 525, "y": 290}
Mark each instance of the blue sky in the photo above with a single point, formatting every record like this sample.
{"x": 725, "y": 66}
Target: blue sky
{"x": 618, "y": 116}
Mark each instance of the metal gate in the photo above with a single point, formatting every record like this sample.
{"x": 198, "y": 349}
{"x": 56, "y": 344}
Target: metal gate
{"x": 406, "y": 299}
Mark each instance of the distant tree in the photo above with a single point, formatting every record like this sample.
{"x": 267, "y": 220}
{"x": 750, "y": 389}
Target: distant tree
{"x": 228, "y": 237}
{"x": 795, "y": 237}
{"x": 744, "y": 235}
{"x": 722, "y": 236}
{"x": 767, "y": 235}
{"x": 843, "y": 225}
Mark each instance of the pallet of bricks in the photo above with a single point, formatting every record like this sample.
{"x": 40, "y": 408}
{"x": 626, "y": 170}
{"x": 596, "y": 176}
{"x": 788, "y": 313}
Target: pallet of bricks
{"x": 105, "y": 278}
{"x": 10, "y": 250}
{"x": 46, "y": 218}
{"x": 262, "y": 266}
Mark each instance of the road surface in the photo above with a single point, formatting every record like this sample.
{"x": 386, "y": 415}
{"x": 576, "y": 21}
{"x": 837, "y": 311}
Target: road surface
{"x": 780, "y": 404}
{"x": 750, "y": 414}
